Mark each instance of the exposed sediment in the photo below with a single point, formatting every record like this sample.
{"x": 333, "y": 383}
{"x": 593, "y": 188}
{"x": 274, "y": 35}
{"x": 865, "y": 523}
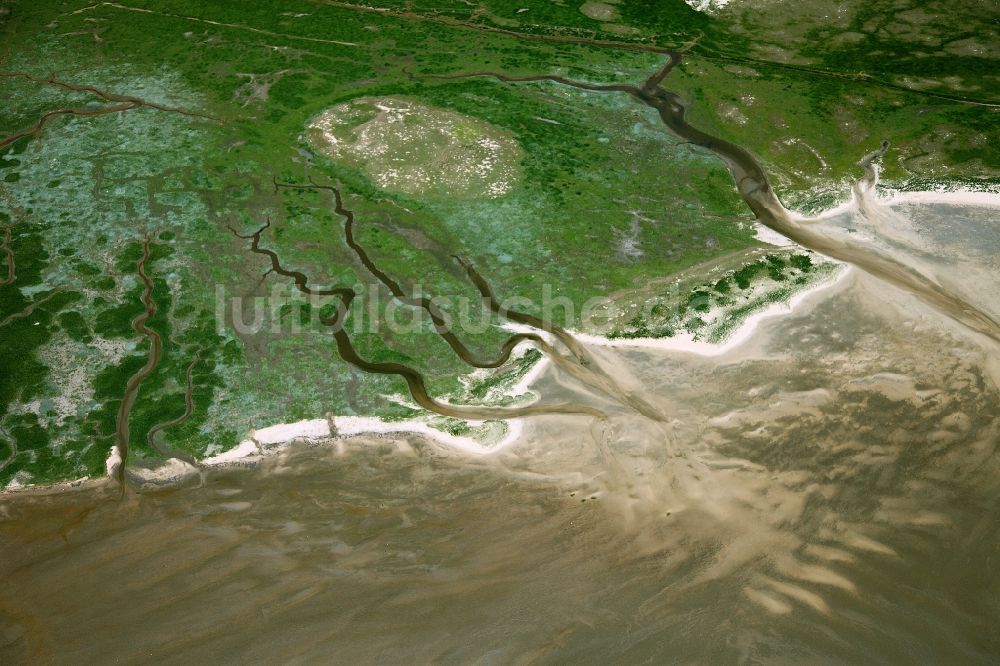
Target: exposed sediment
{"x": 440, "y": 320}
{"x": 152, "y": 360}
{"x": 755, "y": 190}
{"x": 153, "y": 436}
{"x": 414, "y": 380}
{"x": 46, "y": 117}
{"x": 121, "y": 103}
{"x": 581, "y": 365}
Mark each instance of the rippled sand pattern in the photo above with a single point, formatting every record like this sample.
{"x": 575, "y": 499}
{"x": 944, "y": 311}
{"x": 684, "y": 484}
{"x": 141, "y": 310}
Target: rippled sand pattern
{"x": 828, "y": 492}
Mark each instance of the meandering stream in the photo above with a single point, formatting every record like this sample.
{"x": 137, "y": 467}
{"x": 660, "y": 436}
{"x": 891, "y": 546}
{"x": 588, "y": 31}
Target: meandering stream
{"x": 828, "y": 492}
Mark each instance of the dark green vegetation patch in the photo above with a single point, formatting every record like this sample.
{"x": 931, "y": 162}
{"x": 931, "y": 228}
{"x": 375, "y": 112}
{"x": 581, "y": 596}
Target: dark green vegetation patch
{"x": 178, "y": 145}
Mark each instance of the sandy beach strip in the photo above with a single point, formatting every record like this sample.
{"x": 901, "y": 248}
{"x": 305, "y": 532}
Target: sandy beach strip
{"x": 688, "y": 343}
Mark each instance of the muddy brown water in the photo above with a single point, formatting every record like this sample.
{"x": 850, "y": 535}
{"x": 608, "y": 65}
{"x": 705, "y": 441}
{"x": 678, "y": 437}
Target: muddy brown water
{"x": 755, "y": 189}
{"x": 827, "y": 493}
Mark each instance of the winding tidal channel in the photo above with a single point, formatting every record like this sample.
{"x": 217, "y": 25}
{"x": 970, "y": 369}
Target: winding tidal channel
{"x": 753, "y": 186}
{"x": 826, "y": 492}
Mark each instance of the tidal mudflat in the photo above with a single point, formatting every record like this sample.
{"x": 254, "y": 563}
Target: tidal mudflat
{"x": 508, "y": 332}
{"x": 831, "y": 496}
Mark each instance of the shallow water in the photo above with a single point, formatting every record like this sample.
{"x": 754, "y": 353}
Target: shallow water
{"x": 828, "y": 492}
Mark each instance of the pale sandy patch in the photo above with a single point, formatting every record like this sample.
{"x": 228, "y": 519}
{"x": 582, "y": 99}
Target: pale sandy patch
{"x": 688, "y": 343}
